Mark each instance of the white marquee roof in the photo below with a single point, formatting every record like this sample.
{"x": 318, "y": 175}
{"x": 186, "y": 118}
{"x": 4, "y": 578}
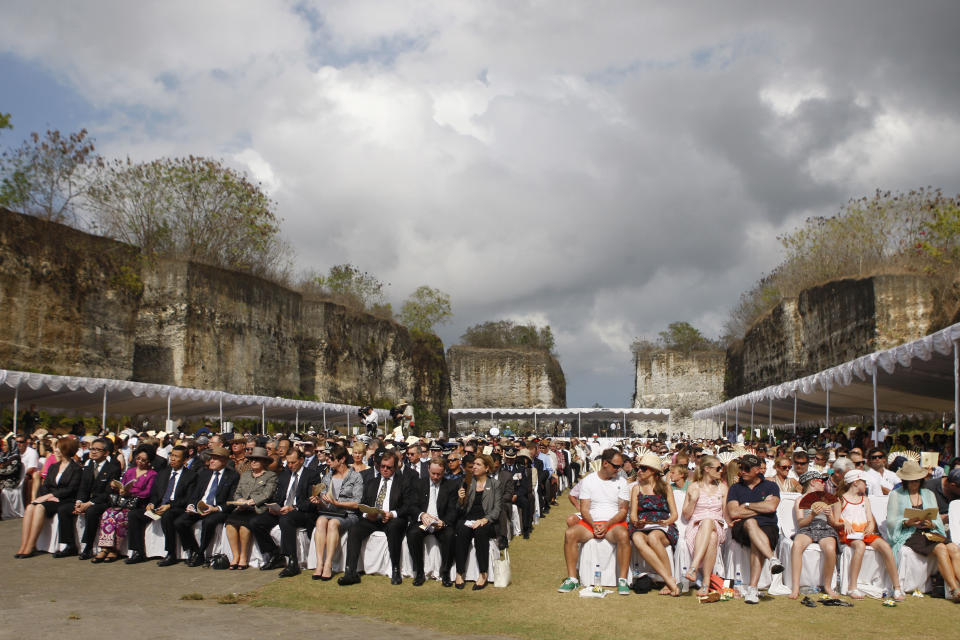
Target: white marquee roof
{"x": 85, "y": 396}
{"x": 917, "y": 377}
{"x": 587, "y": 413}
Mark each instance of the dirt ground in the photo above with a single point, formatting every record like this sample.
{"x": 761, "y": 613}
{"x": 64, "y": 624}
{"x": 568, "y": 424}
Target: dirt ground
{"x": 43, "y": 597}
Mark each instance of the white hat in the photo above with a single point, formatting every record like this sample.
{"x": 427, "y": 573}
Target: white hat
{"x": 852, "y": 476}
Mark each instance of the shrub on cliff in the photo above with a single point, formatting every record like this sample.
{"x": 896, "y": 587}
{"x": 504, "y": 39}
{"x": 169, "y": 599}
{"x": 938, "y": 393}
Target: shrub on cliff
{"x": 679, "y": 336}
{"x": 425, "y": 308}
{"x": 506, "y": 333}
{"x": 889, "y": 232}
{"x": 192, "y": 208}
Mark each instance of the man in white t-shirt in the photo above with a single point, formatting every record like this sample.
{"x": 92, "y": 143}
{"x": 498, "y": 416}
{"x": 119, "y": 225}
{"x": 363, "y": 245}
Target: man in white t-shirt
{"x": 604, "y": 499}
{"x": 29, "y": 466}
{"x": 880, "y": 480}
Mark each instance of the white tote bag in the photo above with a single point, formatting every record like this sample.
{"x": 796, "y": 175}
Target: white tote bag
{"x": 501, "y": 569}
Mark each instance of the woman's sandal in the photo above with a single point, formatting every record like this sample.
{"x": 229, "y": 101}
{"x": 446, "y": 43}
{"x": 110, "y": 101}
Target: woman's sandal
{"x": 807, "y": 602}
{"x": 234, "y": 567}
{"x": 100, "y": 557}
{"x": 111, "y": 557}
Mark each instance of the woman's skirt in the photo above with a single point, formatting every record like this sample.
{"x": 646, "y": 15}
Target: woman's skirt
{"x": 817, "y": 530}
{"x": 113, "y": 527}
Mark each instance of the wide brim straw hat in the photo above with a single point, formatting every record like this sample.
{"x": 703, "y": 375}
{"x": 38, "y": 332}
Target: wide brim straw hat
{"x": 651, "y": 460}
{"x": 911, "y": 470}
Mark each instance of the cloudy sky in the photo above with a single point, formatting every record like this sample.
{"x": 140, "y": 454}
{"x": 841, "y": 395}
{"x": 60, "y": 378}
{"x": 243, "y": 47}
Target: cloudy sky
{"x": 604, "y": 167}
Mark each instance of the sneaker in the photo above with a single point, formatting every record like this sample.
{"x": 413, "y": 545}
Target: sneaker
{"x": 570, "y": 584}
{"x": 751, "y": 595}
{"x": 775, "y": 566}
{"x": 623, "y": 588}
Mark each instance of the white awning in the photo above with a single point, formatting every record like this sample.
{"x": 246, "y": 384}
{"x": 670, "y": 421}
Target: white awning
{"x": 566, "y": 413}
{"x": 913, "y": 378}
{"x": 123, "y": 397}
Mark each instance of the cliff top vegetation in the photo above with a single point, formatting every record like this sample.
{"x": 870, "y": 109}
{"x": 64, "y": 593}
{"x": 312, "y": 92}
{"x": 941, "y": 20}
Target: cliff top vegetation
{"x": 678, "y": 336}
{"x": 888, "y": 232}
{"x": 500, "y": 334}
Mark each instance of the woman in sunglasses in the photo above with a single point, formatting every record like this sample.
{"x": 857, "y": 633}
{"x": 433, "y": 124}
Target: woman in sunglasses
{"x": 816, "y": 524}
{"x": 705, "y": 509}
{"x": 653, "y": 513}
{"x": 782, "y": 466}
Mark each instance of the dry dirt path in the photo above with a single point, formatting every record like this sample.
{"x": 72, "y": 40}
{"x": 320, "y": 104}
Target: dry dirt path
{"x": 43, "y": 597}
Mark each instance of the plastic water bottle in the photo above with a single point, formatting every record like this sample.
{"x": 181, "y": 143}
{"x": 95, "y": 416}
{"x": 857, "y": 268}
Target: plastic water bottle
{"x": 597, "y": 578}
{"x": 684, "y": 582}
{"x": 738, "y": 586}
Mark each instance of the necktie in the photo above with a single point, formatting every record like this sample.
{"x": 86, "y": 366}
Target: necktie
{"x": 432, "y": 505}
{"x": 171, "y": 485}
{"x": 292, "y": 491}
{"x": 212, "y": 493}
{"x": 382, "y": 495}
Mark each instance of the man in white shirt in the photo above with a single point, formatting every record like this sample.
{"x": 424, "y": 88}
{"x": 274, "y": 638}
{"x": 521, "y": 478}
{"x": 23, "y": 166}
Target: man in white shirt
{"x": 604, "y": 500}
{"x": 880, "y": 480}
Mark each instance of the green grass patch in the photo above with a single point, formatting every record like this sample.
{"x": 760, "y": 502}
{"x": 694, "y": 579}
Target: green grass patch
{"x": 532, "y": 608}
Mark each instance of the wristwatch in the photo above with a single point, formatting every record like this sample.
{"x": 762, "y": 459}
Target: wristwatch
{"x": 746, "y": 504}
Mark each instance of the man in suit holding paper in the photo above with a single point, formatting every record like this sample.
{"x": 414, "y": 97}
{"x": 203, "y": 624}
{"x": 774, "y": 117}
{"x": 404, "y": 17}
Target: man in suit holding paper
{"x": 168, "y": 500}
{"x": 208, "y": 503}
{"x": 388, "y": 505}
{"x": 436, "y": 504}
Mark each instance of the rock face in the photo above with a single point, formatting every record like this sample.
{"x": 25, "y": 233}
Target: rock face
{"x": 681, "y": 382}
{"x": 828, "y": 325}
{"x": 78, "y": 304}
{"x": 482, "y": 377}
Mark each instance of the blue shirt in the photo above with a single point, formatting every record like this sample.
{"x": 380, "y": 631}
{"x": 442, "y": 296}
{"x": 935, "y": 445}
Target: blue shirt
{"x": 742, "y": 494}
{"x": 547, "y": 462}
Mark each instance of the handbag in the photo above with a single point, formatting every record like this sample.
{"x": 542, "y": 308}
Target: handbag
{"x": 501, "y": 569}
{"x": 123, "y": 502}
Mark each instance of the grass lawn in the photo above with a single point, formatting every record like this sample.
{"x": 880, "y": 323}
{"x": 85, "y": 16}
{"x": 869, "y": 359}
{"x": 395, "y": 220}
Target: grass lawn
{"x": 532, "y": 608}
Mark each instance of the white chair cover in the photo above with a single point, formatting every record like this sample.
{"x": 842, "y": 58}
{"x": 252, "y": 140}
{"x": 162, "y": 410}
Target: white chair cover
{"x": 515, "y": 525}
{"x": 11, "y": 501}
{"x": 953, "y": 517}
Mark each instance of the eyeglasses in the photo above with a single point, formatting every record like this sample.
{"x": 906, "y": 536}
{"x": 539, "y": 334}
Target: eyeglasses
{"x": 801, "y": 464}
{"x": 878, "y": 457}
{"x": 386, "y": 467}
{"x": 785, "y": 467}
{"x": 97, "y": 449}
{"x": 249, "y": 450}
{"x": 615, "y": 466}
{"x": 859, "y": 464}
{"x": 714, "y": 467}
{"x": 142, "y": 460}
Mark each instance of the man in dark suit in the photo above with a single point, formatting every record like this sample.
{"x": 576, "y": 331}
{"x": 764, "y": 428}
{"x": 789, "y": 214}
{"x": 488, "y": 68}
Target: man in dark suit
{"x": 505, "y": 480}
{"x": 522, "y": 488}
{"x": 416, "y": 462}
{"x": 168, "y": 499}
{"x": 295, "y": 512}
{"x": 436, "y": 504}
{"x": 214, "y": 486}
{"x": 392, "y": 501}
{"x": 91, "y": 500}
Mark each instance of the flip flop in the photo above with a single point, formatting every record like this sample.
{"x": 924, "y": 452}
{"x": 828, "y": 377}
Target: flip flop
{"x": 807, "y": 602}
{"x": 833, "y": 602}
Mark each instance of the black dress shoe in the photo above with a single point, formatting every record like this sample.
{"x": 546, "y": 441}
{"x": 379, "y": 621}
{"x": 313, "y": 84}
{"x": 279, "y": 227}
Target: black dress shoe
{"x": 86, "y": 552}
{"x": 477, "y": 587}
{"x": 447, "y": 582}
{"x": 136, "y": 558}
{"x": 460, "y": 585}
{"x": 196, "y": 560}
{"x": 396, "y": 578}
{"x": 274, "y": 561}
{"x": 292, "y": 569}
{"x": 348, "y": 579}
{"x": 66, "y": 552}
{"x": 419, "y": 579}
{"x": 168, "y": 561}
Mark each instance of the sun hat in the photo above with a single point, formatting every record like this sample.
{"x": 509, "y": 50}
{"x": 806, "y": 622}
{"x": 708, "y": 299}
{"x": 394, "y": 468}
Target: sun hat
{"x": 650, "y": 460}
{"x": 911, "y": 470}
{"x": 852, "y": 476}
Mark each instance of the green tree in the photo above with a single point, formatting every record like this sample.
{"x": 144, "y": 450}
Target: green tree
{"x": 506, "y": 333}
{"x": 682, "y": 336}
{"x": 425, "y": 308}
{"x": 48, "y": 176}
{"x": 5, "y": 121}
{"x": 194, "y": 208}
{"x": 347, "y": 283}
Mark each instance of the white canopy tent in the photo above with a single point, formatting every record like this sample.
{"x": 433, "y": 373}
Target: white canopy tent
{"x": 536, "y": 414}
{"x": 103, "y": 396}
{"x": 917, "y": 377}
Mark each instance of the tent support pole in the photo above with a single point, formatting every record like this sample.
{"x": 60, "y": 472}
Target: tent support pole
{"x": 16, "y": 404}
{"x": 956, "y": 398}
{"x": 751, "y": 421}
{"x": 794, "y": 413}
{"x": 168, "y": 409}
{"x": 876, "y": 432}
{"x": 263, "y": 419}
{"x": 325, "y": 419}
{"x": 770, "y": 418}
{"x": 827, "y": 425}
{"x": 736, "y": 422}
{"x": 579, "y": 434}
{"x": 221, "y": 410}
{"x": 103, "y": 423}
{"x": 296, "y": 420}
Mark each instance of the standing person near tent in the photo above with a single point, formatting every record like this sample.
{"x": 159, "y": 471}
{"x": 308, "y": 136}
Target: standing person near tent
{"x": 402, "y": 415}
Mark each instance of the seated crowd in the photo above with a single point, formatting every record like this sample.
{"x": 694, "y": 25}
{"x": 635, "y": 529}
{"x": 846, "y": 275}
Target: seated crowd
{"x": 461, "y": 492}
{"x": 720, "y": 491}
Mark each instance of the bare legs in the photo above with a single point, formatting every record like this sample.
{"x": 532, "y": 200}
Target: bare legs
{"x": 33, "y": 517}
{"x": 705, "y": 548}
{"x": 948, "y": 560}
{"x": 239, "y": 540}
{"x": 759, "y": 549}
{"x": 326, "y": 538}
{"x": 578, "y": 534}
{"x": 653, "y": 548}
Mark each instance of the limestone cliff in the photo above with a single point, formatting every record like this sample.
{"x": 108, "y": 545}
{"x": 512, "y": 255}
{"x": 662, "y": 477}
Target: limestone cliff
{"x": 828, "y": 325}
{"x": 681, "y": 382}
{"x": 483, "y": 377}
{"x": 78, "y": 304}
